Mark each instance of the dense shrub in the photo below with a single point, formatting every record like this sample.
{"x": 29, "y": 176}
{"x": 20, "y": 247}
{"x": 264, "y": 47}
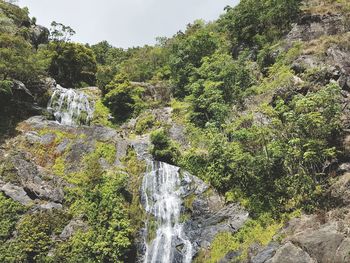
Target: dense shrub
{"x": 72, "y": 65}
{"x": 163, "y": 148}
{"x": 123, "y": 99}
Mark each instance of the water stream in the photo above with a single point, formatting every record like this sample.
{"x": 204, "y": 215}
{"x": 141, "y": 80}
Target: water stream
{"x": 70, "y": 107}
{"x": 161, "y": 192}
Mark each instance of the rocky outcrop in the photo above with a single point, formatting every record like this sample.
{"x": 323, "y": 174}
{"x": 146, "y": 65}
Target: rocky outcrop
{"x": 34, "y": 180}
{"x": 289, "y": 253}
{"x": 39, "y": 35}
{"x": 313, "y": 26}
{"x": 17, "y": 193}
{"x": 209, "y": 215}
{"x": 156, "y": 92}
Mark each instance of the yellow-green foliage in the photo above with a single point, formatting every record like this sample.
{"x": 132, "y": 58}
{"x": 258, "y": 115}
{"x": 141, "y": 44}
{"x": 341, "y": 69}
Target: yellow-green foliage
{"x": 259, "y": 231}
{"x": 60, "y": 135}
{"x": 188, "y": 201}
{"x": 101, "y": 115}
{"x": 101, "y": 197}
{"x": 33, "y": 239}
{"x": 280, "y": 74}
{"x": 145, "y": 122}
{"x": 135, "y": 169}
{"x": 180, "y": 110}
{"x": 106, "y": 151}
{"x": 10, "y": 212}
{"x": 45, "y": 155}
{"x": 59, "y": 166}
{"x": 8, "y": 172}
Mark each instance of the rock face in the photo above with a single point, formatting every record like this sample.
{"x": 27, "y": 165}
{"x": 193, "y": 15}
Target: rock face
{"x": 16, "y": 193}
{"x": 312, "y": 26}
{"x": 290, "y": 253}
{"x": 39, "y": 35}
{"x": 312, "y": 239}
{"x": 208, "y": 213}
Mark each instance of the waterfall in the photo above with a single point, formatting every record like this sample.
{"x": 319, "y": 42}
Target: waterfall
{"x": 161, "y": 193}
{"x": 70, "y": 107}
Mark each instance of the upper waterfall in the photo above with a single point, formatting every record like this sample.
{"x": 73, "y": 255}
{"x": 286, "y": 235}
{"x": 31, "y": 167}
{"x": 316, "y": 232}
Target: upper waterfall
{"x": 162, "y": 199}
{"x": 70, "y": 107}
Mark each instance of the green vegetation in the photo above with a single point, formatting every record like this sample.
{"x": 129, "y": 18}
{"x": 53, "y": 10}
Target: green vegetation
{"x": 260, "y": 231}
{"x": 256, "y": 130}
{"x": 72, "y": 65}
{"x": 10, "y": 212}
{"x": 163, "y": 148}
{"x": 123, "y": 99}
{"x": 145, "y": 123}
{"x": 33, "y": 239}
{"x": 101, "y": 115}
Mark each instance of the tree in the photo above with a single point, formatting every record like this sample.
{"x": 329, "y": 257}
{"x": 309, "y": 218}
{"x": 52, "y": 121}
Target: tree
{"x": 122, "y": 98}
{"x": 186, "y": 53}
{"x": 16, "y": 58}
{"x": 72, "y": 65}
{"x": 255, "y": 22}
{"x": 163, "y": 148}
{"x": 215, "y": 85}
{"x": 60, "y": 32}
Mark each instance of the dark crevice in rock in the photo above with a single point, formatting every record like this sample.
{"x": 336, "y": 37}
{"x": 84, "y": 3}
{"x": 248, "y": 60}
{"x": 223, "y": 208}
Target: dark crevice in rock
{"x": 31, "y": 194}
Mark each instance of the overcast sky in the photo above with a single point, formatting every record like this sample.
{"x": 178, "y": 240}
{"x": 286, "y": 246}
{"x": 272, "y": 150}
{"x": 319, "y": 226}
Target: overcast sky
{"x": 124, "y": 23}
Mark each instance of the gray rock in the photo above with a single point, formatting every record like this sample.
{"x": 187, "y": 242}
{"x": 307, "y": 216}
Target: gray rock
{"x": 208, "y": 215}
{"x": 344, "y": 167}
{"x": 314, "y": 26}
{"x": 289, "y": 253}
{"x": 62, "y": 147}
{"x": 21, "y": 93}
{"x": 17, "y": 193}
{"x": 341, "y": 188}
{"x": 322, "y": 244}
{"x": 73, "y": 226}
{"x": 31, "y": 179}
{"x": 121, "y": 151}
{"x": 229, "y": 257}
{"x": 50, "y": 206}
{"x": 47, "y": 139}
{"x": 177, "y": 133}
{"x": 39, "y": 35}
{"x": 343, "y": 252}
{"x": 265, "y": 254}
{"x": 32, "y": 137}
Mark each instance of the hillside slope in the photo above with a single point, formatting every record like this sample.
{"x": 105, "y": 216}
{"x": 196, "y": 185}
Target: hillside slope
{"x": 255, "y": 106}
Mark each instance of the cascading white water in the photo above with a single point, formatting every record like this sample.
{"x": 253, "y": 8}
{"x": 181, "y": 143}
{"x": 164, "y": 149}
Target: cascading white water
{"x": 162, "y": 199}
{"x": 70, "y": 107}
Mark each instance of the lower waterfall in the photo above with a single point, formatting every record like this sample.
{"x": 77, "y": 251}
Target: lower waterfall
{"x": 161, "y": 193}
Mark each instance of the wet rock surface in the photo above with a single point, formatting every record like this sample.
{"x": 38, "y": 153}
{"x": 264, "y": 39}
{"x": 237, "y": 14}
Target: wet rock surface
{"x": 208, "y": 213}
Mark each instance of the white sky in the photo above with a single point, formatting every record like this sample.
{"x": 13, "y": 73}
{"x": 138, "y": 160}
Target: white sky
{"x": 124, "y": 23}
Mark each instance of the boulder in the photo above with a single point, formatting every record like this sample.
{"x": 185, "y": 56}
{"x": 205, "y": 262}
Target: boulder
{"x": 265, "y": 254}
{"x": 73, "y": 226}
{"x": 31, "y": 179}
{"x": 289, "y": 253}
{"x": 321, "y": 244}
{"x": 17, "y": 193}
{"x": 343, "y": 252}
